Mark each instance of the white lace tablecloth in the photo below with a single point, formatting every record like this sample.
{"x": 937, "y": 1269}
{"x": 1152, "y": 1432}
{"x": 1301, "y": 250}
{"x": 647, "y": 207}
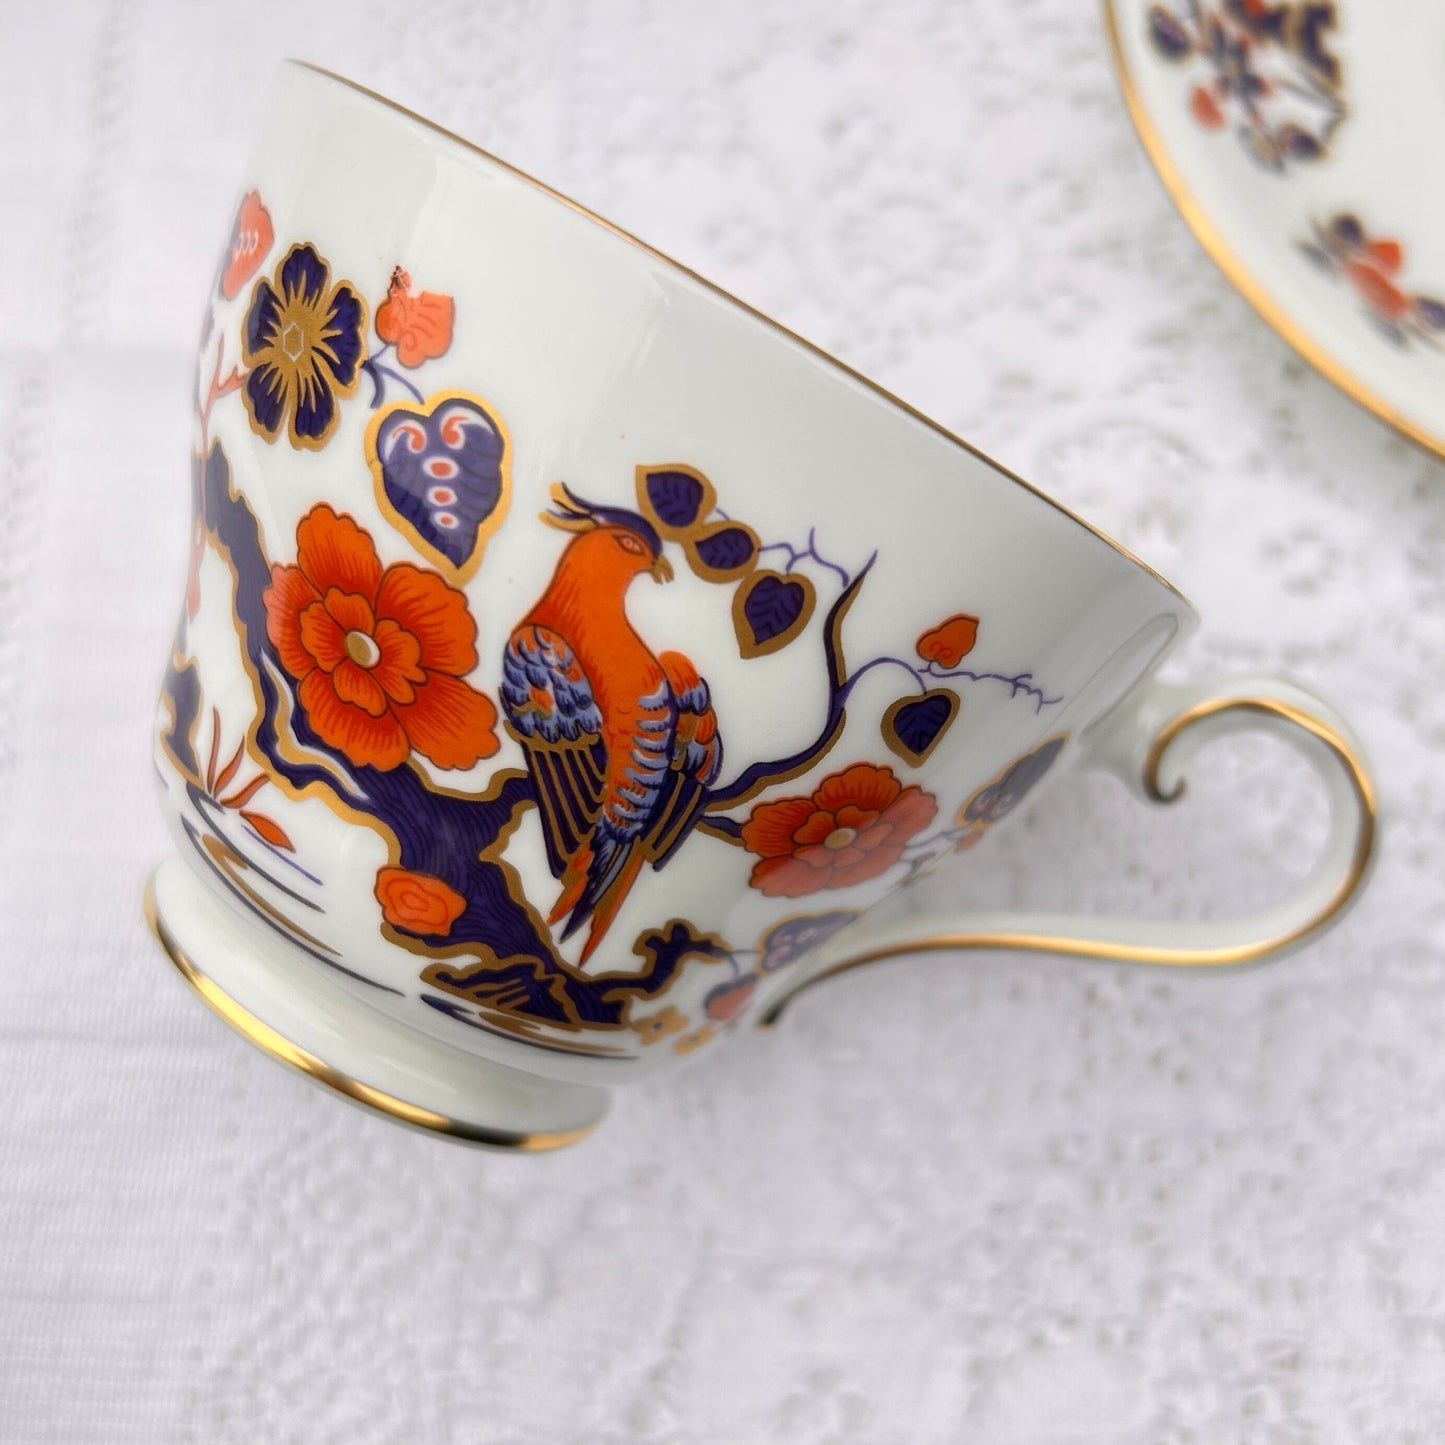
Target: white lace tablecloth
{"x": 987, "y": 1200}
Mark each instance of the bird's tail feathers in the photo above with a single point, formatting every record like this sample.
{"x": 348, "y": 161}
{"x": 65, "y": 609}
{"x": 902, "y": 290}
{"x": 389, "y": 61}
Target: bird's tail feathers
{"x": 574, "y": 880}
{"x": 610, "y": 873}
{"x": 611, "y": 900}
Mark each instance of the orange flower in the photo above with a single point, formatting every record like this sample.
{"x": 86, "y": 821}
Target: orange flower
{"x": 418, "y": 902}
{"x": 1375, "y": 288}
{"x": 378, "y": 655}
{"x": 951, "y": 641}
{"x": 251, "y": 239}
{"x": 852, "y": 828}
{"x": 420, "y": 325}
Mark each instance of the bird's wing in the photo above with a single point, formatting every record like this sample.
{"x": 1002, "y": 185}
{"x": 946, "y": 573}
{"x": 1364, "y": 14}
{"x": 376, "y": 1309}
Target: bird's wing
{"x": 549, "y": 701}
{"x": 604, "y": 816}
{"x": 695, "y": 761}
{"x": 639, "y": 775}
{"x": 655, "y": 792}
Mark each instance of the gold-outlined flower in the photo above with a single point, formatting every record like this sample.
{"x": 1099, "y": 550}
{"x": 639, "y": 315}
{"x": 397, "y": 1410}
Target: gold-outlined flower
{"x": 303, "y": 341}
{"x": 379, "y": 654}
{"x": 418, "y": 902}
{"x": 853, "y": 827}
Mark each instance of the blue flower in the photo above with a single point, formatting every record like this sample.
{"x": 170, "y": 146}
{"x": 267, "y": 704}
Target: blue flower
{"x": 788, "y": 941}
{"x": 1003, "y": 795}
{"x": 303, "y": 341}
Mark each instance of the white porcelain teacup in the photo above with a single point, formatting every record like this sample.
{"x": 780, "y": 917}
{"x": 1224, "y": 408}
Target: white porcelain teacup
{"x": 572, "y": 658}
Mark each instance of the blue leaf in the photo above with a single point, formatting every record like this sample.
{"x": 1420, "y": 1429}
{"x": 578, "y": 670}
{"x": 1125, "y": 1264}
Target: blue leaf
{"x": 677, "y": 497}
{"x": 770, "y": 609}
{"x": 730, "y": 550}
{"x": 1430, "y": 311}
{"x": 441, "y": 469}
{"x": 1170, "y": 37}
{"x": 1349, "y": 230}
{"x": 1299, "y": 143}
{"x": 913, "y": 725}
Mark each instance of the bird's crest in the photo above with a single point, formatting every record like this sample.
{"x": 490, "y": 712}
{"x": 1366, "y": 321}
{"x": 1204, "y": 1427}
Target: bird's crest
{"x": 571, "y": 513}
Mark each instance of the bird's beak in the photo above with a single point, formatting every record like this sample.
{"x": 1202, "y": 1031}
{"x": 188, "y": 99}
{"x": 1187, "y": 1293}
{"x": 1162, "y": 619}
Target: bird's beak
{"x": 661, "y": 570}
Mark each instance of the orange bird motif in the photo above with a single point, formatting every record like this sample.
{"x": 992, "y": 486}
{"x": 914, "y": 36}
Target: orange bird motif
{"x": 621, "y": 745}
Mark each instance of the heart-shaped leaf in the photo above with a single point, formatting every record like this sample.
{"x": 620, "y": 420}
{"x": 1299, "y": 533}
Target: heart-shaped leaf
{"x": 728, "y": 1000}
{"x": 914, "y": 725}
{"x": 1294, "y": 140}
{"x": 770, "y": 609}
{"x": 951, "y": 641}
{"x": 722, "y": 551}
{"x": 1349, "y": 230}
{"x": 1170, "y": 37}
{"x": 676, "y": 497}
{"x": 442, "y": 475}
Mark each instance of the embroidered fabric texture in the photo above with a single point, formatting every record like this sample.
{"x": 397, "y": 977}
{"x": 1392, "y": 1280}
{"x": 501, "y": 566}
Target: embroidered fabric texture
{"x": 994, "y": 1199}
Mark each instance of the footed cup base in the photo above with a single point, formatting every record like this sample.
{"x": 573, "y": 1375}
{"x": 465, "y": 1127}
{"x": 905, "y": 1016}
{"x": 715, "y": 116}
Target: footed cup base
{"x": 281, "y": 1003}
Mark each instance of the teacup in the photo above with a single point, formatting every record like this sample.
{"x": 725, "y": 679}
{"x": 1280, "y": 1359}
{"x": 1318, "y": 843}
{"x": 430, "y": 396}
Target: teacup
{"x": 573, "y": 660}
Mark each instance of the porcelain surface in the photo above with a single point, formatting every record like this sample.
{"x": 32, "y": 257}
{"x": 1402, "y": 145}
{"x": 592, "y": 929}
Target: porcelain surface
{"x": 570, "y": 659}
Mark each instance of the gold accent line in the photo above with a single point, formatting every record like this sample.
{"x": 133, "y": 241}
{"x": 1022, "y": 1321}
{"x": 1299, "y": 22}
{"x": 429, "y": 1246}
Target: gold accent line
{"x": 1176, "y": 957}
{"x": 269, "y": 1041}
{"x": 1234, "y": 270}
{"x": 752, "y": 311}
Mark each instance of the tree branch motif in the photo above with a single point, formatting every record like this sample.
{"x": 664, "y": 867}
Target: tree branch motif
{"x": 498, "y": 952}
{"x": 440, "y": 467}
{"x": 752, "y": 780}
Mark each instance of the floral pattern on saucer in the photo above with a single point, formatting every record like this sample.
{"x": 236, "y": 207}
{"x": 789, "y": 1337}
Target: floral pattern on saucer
{"x": 1263, "y": 70}
{"x": 1372, "y": 265}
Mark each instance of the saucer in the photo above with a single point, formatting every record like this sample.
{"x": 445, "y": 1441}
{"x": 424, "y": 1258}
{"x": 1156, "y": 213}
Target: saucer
{"x": 1290, "y": 136}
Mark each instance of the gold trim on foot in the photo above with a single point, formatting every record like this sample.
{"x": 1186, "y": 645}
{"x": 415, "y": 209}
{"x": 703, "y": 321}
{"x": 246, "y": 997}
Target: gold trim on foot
{"x": 264, "y": 1037}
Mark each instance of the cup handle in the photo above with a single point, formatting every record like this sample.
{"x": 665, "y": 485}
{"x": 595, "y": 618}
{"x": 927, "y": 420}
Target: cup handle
{"x": 1149, "y": 739}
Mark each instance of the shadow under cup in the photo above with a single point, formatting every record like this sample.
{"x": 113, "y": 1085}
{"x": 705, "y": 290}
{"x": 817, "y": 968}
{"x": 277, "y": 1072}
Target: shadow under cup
{"x": 571, "y": 657}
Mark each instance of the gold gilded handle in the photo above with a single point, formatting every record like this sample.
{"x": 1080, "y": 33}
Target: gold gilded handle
{"x": 1150, "y": 740}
